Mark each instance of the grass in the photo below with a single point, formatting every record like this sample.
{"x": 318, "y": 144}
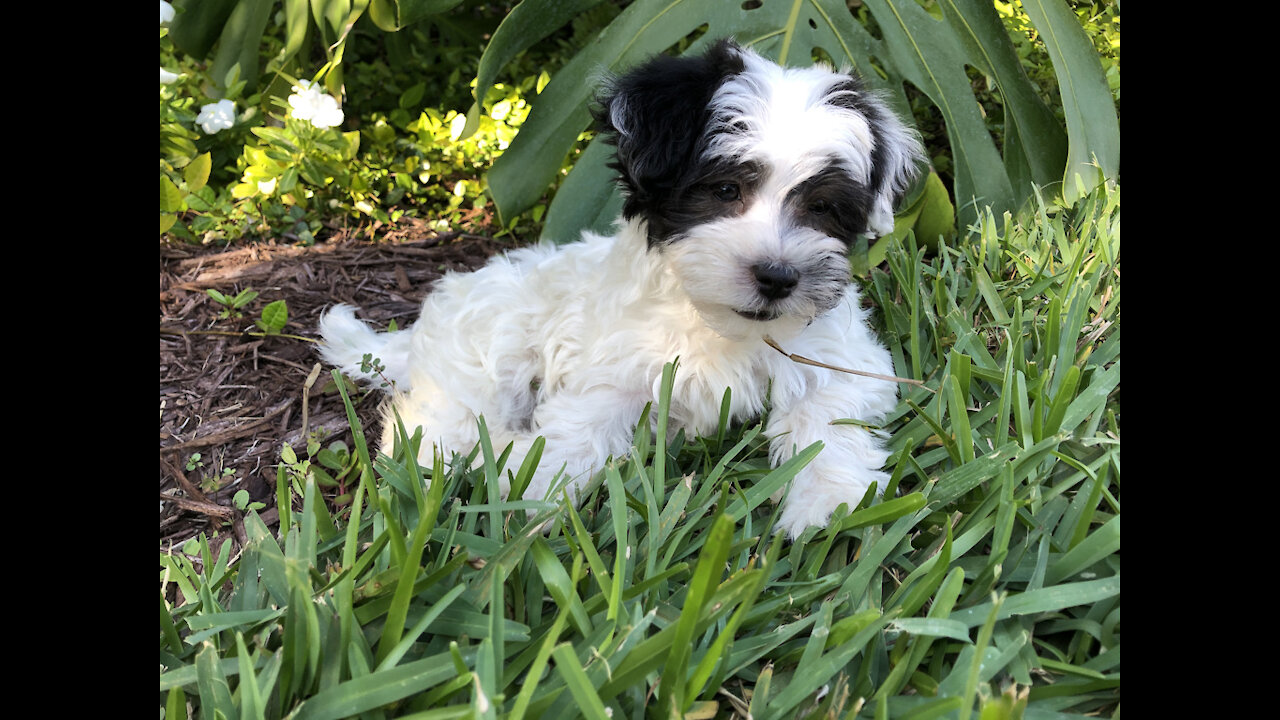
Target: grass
{"x": 984, "y": 584}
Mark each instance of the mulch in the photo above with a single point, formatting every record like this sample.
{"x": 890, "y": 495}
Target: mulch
{"x": 236, "y": 398}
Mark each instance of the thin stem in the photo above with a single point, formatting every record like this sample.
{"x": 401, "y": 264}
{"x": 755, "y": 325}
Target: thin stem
{"x": 806, "y": 361}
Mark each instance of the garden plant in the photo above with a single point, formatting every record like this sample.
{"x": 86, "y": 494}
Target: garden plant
{"x": 982, "y": 582}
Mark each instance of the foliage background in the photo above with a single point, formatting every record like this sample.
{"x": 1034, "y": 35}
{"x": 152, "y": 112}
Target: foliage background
{"x": 984, "y": 582}
{"x": 417, "y": 142}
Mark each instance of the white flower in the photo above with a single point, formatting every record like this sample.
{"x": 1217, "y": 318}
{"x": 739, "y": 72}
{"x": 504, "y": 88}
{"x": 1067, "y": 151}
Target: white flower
{"x": 216, "y": 116}
{"x": 167, "y": 77}
{"x": 310, "y": 104}
{"x": 166, "y": 13}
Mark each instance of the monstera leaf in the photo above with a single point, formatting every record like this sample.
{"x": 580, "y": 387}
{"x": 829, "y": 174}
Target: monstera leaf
{"x": 1092, "y": 125}
{"x": 914, "y": 47}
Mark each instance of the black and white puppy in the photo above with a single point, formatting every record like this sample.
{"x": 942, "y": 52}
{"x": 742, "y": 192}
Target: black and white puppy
{"x": 745, "y": 183}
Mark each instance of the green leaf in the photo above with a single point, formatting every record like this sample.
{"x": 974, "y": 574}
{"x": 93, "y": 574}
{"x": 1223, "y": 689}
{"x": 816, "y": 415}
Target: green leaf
{"x": 352, "y": 144}
{"x": 588, "y": 701}
{"x": 929, "y": 214}
{"x": 1092, "y": 124}
{"x": 380, "y": 687}
{"x": 196, "y": 173}
{"x": 884, "y": 512}
{"x": 410, "y": 99}
{"x": 197, "y": 24}
{"x": 527, "y": 23}
{"x": 932, "y": 58}
{"x": 558, "y": 583}
{"x": 215, "y": 695}
{"x": 1035, "y": 144}
{"x": 296, "y": 15}
{"x": 393, "y": 15}
{"x": 170, "y": 196}
{"x": 933, "y": 627}
{"x": 593, "y": 183}
{"x": 252, "y": 704}
{"x": 244, "y": 297}
{"x": 274, "y": 317}
{"x": 1046, "y": 599}
{"x": 1100, "y": 544}
{"x": 706, "y": 577}
{"x": 954, "y": 483}
{"x": 278, "y": 137}
{"x": 240, "y": 44}
{"x": 175, "y": 707}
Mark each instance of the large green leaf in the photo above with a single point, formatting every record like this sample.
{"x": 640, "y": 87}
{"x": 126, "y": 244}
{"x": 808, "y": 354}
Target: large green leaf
{"x": 295, "y": 18}
{"x": 1035, "y": 145}
{"x": 241, "y": 42}
{"x": 1092, "y": 125}
{"x": 526, "y": 24}
{"x": 393, "y": 15}
{"x": 932, "y": 58}
{"x": 197, "y": 24}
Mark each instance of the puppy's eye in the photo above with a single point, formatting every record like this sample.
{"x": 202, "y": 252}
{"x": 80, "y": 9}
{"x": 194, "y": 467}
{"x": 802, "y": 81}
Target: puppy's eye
{"x": 818, "y": 207}
{"x": 726, "y": 192}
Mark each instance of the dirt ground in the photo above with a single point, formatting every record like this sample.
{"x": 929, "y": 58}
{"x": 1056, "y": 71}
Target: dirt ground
{"x": 235, "y": 398}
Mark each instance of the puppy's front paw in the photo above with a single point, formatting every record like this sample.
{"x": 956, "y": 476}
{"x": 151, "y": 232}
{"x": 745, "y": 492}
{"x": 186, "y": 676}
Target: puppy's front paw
{"x": 816, "y": 492}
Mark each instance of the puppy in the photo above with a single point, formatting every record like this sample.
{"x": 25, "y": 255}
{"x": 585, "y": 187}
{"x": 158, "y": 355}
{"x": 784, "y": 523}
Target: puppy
{"x": 745, "y": 184}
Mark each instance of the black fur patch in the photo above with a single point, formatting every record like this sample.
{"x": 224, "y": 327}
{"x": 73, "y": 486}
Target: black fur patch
{"x": 832, "y": 203}
{"x": 852, "y": 96}
{"x": 663, "y": 113}
{"x": 703, "y": 195}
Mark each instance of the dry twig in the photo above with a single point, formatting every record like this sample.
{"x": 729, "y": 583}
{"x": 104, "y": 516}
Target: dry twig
{"x": 806, "y": 361}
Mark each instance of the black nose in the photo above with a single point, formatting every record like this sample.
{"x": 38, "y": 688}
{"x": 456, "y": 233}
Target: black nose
{"x": 775, "y": 281}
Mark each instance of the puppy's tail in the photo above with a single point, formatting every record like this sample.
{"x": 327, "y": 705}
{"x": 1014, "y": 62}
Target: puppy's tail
{"x": 346, "y": 342}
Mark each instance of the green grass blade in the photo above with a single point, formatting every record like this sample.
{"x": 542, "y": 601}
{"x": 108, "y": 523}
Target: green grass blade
{"x": 1102, "y": 543}
{"x": 810, "y": 676}
{"x": 393, "y": 628}
{"x": 215, "y": 695}
{"x": 1047, "y": 599}
{"x": 251, "y": 698}
{"x": 534, "y": 675}
{"x": 560, "y": 585}
{"x": 409, "y": 638}
{"x": 884, "y": 512}
{"x": 706, "y": 576}
{"x": 379, "y": 688}
{"x": 588, "y": 702}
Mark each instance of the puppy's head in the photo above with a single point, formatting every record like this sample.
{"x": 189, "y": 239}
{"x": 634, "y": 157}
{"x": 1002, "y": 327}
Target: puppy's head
{"x": 752, "y": 179}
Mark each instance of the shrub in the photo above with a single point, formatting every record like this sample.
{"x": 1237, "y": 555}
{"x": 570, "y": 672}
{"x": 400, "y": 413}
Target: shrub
{"x": 400, "y": 151}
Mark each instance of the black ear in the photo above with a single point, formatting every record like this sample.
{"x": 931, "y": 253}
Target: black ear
{"x": 896, "y": 157}
{"x": 657, "y": 115}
